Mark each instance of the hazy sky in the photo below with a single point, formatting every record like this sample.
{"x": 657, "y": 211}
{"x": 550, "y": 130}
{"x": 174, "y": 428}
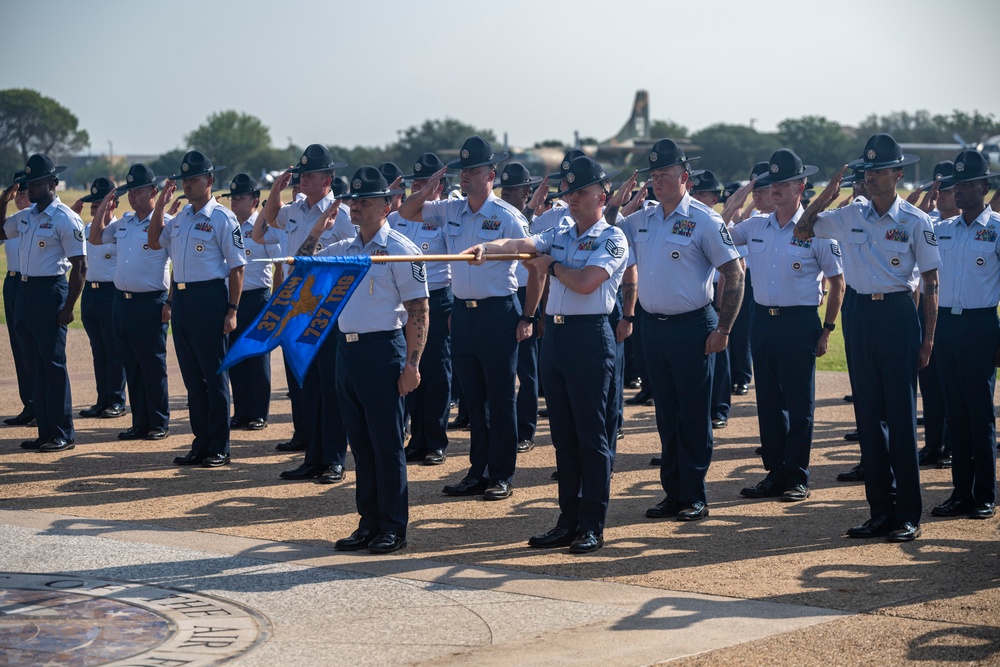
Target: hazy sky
{"x": 143, "y": 74}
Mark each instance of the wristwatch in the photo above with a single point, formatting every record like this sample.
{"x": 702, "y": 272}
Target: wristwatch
{"x": 628, "y": 318}
{"x": 530, "y": 319}
{"x": 232, "y": 306}
{"x": 830, "y": 326}
{"x": 552, "y": 268}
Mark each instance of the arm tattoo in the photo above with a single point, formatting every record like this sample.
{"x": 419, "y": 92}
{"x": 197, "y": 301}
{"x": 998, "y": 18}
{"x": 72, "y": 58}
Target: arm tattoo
{"x": 629, "y": 291}
{"x": 417, "y": 313}
{"x": 732, "y": 296}
{"x": 930, "y": 288}
{"x": 611, "y": 214}
{"x": 804, "y": 227}
{"x": 308, "y": 247}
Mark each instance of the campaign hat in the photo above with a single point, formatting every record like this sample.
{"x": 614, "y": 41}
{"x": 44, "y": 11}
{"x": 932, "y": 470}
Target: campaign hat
{"x": 195, "y": 163}
{"x": 883, "y": 152}
{"x": 785, "y": 165}
{"x": 705, "y": 180}
{"x": 943, "y": 170}
{"x": 515, "y": 175}
{"x": 666, "y": 153}
{"x": 570, "y": 155}
{"x": 369, "y": 182}
{"x": 39, "y": 166}
{"x": 390, "y": 171}
{"x": 584, "y": 171}
{"x": 339, "y": 187}
{"x": 476, "y": 152}
{"x": 425, "y": 167}
{"x": 242, "y": 184}
{"x": 316, "y": 157}
{"x": 139, "y": 176}
{"x": 99, "y": 189}
{"x": 970, "y": 165}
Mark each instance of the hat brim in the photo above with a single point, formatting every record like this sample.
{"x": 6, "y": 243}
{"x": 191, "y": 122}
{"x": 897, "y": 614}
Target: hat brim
{"x": 531, "y": 182}
{"x": 245, "y": 192}
{"x": 372, "y": 195}
{"x": 156, "y": 182}
{"x": 90, "y": 199}
{"x": 945, "y": 185}
{"x": 181, "y": 177}
{"x": 962, "y": 178}
{"x": 580, "y": 186}
{"x": 861, "y": 163}
{"x": 672, "y": 164}
{"x": 418, "y": 177}
{"x": 770, "y": 179}
{"x": 333, "y": 166}
{"x": 496, "y": 159}
{"x": 27, "y": 178}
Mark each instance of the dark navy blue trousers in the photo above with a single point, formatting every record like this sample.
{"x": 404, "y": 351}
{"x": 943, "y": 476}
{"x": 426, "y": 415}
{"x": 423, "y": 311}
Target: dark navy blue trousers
{"x": 323, "y": 422}
{"x": 39, "y": 301}
{"x": 578, "y": 362}
{"x": 784, "y": 359}
{"x": 429, "y": 403}
{"x": 681, "y": 375}
{"x": 96, "y": 305}
{"x": 251, "y": 378}
{"x": 141, "y": 334}
{"x": 367, "y": 379}
{"x": 932, "y": 397}
{"x": 24, "y": 372}
{"x": 295, "y": 398}
{"x": 885, "y": 346}
{"x": 199, "y": 312}
{"x": 484, "y": 353}
{"x": 738, "y": 350}
{"x": 965, "y": 346}
{"x": 527, "y": 379}
{"x": 616, "y": 390}
{"x": 722, "y": 388}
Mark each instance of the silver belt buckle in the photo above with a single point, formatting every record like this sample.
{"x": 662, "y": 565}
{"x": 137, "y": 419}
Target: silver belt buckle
{"x": 773, "y": 311}
{"x": 472, "y": 303}
{"x": 128, "y": 295}
{"x": 559, "y": 319}
{"x": 181, "y": 285}
{"x": 95, "y": 285}
{"x": 24, "y": 278}
{"x": 956, "y": 311}
{"x": 352, "y": 338}
{"x": 878, "y": 297}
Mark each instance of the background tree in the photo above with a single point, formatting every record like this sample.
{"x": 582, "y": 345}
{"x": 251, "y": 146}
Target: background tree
{"x": 240, "y": 141}
{"x": 434, "y": 136}
{"x": 115, "y": 170}
{"x": 818, "y": 141}
{"x": 667, "y": 129}
{"x": 732, "y": 150}
{"x": 32, "y": 123}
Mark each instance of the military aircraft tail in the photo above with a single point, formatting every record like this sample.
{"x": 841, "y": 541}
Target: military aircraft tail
{"x": 637, "y": 126}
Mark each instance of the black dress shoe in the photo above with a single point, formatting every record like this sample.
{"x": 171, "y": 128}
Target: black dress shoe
{"x": 693, "y": 512}
{"x": 642, "y": 398}
{"x": 554, "y": 475}
{"x": 655, "y": 461}
{"x": 665, "y": 509}
{"x": 855, "y": 474}
{"x": 158, "y": 433}
{"x": 215, "y": 461}
{"x": 192, "y": 458}
{"x": 557, "y": 537}
{"x": 720, "y": 423}
{"x": 982, "y": 511}
{"x": 93, "y": 411}
{"x": 359, "y": 539}
{"x": 876, "y": 526}
{"x": 945, "y": 461}
{"x": 633, "y": 384}
{"x": 927, "y": 456}
{"x": 852, "y": 436}
{"x": 415, "y": 454}
{"x": 765, "y": 488}
{"x": 740, "y": 389}
{"x": 304, "y": 471}
{"x": 56, "y": 445}
{"x": 133, "y": 433}
{"x": 258, "y": 424}
{"x": 114, "y": 411}
{"x": 525, "y": 446}
{"x": 849, "y": 398}
{"x": 796, "y": 493}
{"x": 904, "y": 532}
{"x": 238, "y": 423}
{"x": 758, "y": 450}
{"x": 621, "y": 434}
{"x": 920, "y": 421}
{"x": 459, "y": 422}
{"x": 331, "y": 475}
{"x": 498, "y": 490}
{"x": 33, "y": 444}
{"x": 952, "y": 507}
{"x": 23, "y": 419}
{"x": 543, "y": 413}
{"x": 587, "y": 541}
{"x": 386, "y": 542}
{"x": 469, "y": 486}
{"x": 435, "y": 457}
{"x": 291, "y": 446}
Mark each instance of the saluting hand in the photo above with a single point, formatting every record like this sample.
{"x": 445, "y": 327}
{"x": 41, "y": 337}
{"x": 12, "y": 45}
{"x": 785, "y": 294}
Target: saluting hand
{"x": 619, "y": 198}
{"x": 736, "y": 200}
{"x": 166, "y": 194}
{"x": 995, "y": 201}
{"x": 106, "y": 209}
{"x": 637, "y": 201}
{"x": 831, "y": 190}
{"x": 8, "y": 195}
{"x": 930, "y": 198}
{"x": 538, "y": 196}
{"x": 77, "y": 206}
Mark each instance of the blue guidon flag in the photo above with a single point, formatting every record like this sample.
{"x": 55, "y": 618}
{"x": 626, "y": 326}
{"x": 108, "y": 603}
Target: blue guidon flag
{"x": 302, "y": 312}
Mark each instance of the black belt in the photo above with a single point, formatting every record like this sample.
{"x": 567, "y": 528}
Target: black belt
{"x": 369, "y": 337}
{"x": 482, "y": 303}
{"x": 679, "y": 317}
{"x": 890, "y": 296}
{"x": 201, "y": 284}
{"x": 575, "y": 319}
{"x": 441, "y": 291}
{"x": 990, "y": 310}
{"x": 41, "y": 279}
{"x": 784, "y": 310}
{"x": 101, "y": 285}
{"x": 142, "y": 296}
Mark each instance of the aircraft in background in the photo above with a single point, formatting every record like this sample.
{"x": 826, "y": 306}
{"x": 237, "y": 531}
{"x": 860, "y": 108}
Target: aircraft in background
{"x": 989, "y": 147}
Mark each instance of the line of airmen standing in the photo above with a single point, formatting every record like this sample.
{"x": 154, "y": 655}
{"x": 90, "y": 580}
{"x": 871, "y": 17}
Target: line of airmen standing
{"x": 598, "y": 253}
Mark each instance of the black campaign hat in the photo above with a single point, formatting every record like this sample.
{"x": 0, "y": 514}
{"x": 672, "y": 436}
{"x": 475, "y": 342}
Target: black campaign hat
{"x": 18, "y": 175}
{"x": 883, "y": 152}
{"x": 570, "y": 155}
{"x": 704, "y": 180}
{"x": 425, "y": 166}
{"x": 476, "y": 152}
{"x": 514, "y": 175}
{"x": 296, "y": 179}
{"x": 759, "y": 170}
{"x": 728, "y": 191}
{"x": 316, "y": 157}
{"x": 666, "y": 153}
{"x": 39, "y": 166}
{"x": 139, "y": 176}
{"x": 369, "y": 182}
{"x": 971, "y": 166}
{"x": 242, "y": 184}
{"x": 339, "y": 187}
{"x": 584, "y": 171}
{"x": 99, "y": 189}
{"x": 943, "y": 170}
{"x": 858, "y": 176}
{"x": 785, "y": 165}
{"x": 390, "y": 171}
{"x": 195, "y": 163}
